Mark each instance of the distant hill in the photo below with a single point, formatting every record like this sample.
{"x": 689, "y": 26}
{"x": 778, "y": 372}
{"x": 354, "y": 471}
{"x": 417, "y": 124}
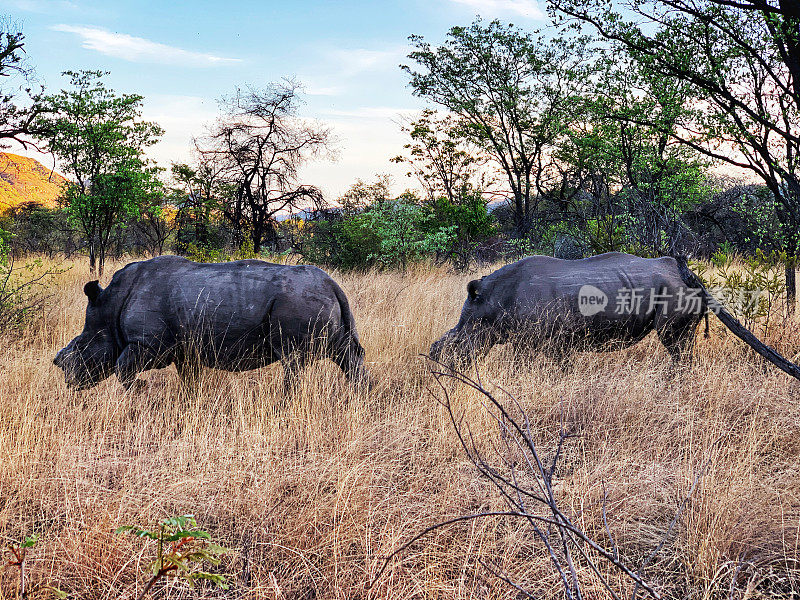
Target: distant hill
{"x": 24, "y": 179}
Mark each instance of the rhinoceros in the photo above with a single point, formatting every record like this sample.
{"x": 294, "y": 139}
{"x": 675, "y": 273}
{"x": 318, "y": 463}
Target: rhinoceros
{"x": 234, "y": 316}
{"x": 605, "y": 302}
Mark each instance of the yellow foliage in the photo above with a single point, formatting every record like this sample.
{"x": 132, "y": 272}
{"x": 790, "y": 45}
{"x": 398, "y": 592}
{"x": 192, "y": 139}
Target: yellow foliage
{"x": 24, "y": 179}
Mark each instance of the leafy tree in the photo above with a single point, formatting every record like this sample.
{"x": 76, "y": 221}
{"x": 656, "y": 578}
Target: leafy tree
{"x": 361, "y": 194}
{"x": 512, "y": 92}
{"x": 260, "y": 145}
{"x": 195, "y": 194}
{"x": 397, "y": 224}
{"x": 155, "y": 224}
{"x": 623, "y": 140}
{"x": 739, "y": 64}
{"x": 100, "y": 141}
{"x": 437, "y": 156}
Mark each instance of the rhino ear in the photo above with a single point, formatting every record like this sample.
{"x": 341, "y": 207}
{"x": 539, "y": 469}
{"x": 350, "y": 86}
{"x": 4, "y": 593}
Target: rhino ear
{"x": 92, "y": 290}
{"x": 474, "y": 289}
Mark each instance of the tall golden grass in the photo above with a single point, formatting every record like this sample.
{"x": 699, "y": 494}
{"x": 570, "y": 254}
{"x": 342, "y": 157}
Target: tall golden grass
{"x": 311, "y": 496}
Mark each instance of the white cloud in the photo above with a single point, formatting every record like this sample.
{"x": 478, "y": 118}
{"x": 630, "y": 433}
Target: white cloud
{"x": 136, "y": 49}
{"x": 493, "y": 8}
{"x": 338, "y": 68}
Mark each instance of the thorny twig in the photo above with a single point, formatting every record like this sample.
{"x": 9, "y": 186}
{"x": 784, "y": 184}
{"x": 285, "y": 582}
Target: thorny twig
{"x": 515, "y": 435}
{"x": 18, "y": 561}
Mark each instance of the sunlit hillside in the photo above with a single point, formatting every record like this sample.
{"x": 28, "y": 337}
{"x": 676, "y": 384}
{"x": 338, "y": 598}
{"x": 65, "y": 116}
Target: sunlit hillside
{"x": 24, "y": 179}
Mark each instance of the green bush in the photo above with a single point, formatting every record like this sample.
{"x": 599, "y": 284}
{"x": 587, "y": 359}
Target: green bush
{"x": 347, "y": 243}
{"x": 393, "y": 233}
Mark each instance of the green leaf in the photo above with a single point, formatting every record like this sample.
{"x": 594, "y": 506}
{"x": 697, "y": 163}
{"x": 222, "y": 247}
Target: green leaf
{"x": 178, "y": 535}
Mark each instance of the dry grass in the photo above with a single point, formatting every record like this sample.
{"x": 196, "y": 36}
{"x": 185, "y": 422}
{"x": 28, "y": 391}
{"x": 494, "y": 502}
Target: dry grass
{"x": 311, "y": 497}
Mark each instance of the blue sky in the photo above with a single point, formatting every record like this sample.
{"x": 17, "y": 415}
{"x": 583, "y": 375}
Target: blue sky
{"x": 183, "y": 55}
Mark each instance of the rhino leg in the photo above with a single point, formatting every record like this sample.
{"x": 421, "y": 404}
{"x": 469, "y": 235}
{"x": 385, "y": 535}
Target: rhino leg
{"x": 134, "y": 359}
{"x": 678, "y": 338}
{"x": 293, "y": 365}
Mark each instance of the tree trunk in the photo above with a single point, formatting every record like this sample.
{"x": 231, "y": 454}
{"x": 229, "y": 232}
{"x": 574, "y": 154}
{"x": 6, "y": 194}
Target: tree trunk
{"x": 92, "y": 258}
{"x": 791, "y": 284}
{"x": 101, "y": 261}
{"x": 257, "y": 237}
{"x": 520, "y": 216}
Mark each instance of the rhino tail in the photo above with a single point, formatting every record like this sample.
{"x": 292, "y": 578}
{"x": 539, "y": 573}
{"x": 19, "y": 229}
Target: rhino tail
{"x": 350, "y": 355}
{"x": 732, "y": 323}
{"x": 348, "y": 321}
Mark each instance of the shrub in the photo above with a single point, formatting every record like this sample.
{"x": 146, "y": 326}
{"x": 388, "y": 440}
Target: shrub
{"x": 396, "y": 232}
{"x": 459, "y": 228}
{"x": 23, "y": 289}
{"x": 180, "y": 547}
{"x": 751, "y": 287}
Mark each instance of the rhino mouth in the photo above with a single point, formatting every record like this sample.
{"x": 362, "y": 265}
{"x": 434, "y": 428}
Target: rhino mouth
{"x": 76, "y": 380}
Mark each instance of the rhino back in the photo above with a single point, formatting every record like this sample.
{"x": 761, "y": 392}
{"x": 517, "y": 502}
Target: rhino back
{"x": 539, "y": 282}
{"x": 169, "y": 297}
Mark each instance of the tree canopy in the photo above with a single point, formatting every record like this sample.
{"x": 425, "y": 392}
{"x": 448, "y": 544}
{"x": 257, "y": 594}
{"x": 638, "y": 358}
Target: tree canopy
{"x": 100, "y": 139}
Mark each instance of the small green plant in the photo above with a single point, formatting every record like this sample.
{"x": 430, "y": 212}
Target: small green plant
{"x": 19, "y": 552}
{"x": 181, "y": 547}
{"x": 18, "y": 555}
{"x": 245, "y": 251}
{"x": 750, "y": 288}
{"x": 724, "y": 254}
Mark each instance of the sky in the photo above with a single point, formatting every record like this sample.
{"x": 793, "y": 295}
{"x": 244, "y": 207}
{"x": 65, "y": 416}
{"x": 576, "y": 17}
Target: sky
{"x": 182, "y": 56}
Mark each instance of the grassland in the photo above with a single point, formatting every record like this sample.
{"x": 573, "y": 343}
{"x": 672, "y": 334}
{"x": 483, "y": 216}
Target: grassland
{"x": 310, "y": 497}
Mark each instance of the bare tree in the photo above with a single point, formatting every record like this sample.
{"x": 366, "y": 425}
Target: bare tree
{"x": 261, "y": 143}
{"x": 16, "y": 82}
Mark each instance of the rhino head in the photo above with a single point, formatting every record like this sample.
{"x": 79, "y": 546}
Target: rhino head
{"x": 89, "y": 358}
{"x": 468, "y": 336}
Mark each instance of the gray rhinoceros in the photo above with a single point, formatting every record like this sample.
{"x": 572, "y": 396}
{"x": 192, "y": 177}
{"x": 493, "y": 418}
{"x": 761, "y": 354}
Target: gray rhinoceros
{"x": 234, "y": 316}
{"x": 605, "y": 302}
